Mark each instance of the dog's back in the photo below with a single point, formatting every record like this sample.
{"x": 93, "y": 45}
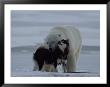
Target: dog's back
{"x": 41, "y": 56}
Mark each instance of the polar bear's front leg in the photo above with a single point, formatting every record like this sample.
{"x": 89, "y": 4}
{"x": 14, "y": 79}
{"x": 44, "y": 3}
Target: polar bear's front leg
{"x": 71, "y": 63}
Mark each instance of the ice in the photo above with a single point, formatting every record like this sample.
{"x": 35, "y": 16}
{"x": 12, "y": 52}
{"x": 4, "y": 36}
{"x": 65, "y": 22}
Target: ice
{"x": 22, "y": 63}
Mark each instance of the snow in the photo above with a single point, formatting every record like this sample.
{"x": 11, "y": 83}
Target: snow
{"x": 52, "y": 74}
{"x": 22, "y": 63}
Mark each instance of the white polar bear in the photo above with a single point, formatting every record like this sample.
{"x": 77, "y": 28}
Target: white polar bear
{"x": 75, "y": 43}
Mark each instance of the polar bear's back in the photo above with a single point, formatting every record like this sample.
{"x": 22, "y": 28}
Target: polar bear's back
{"x": 75, "y": 37}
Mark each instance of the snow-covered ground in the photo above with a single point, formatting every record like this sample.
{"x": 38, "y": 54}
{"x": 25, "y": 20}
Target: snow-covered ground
{"x": 31, "y": 27}
{"x": 22, "y": 64}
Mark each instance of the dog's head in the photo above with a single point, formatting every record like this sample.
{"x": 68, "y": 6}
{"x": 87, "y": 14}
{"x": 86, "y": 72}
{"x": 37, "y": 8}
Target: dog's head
{"x": 56, "y": 40}
{"x": 63, "y": 45}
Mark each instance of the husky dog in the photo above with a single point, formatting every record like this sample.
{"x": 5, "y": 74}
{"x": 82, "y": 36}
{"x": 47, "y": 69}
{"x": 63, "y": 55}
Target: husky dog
{"x": 48, "y": 60}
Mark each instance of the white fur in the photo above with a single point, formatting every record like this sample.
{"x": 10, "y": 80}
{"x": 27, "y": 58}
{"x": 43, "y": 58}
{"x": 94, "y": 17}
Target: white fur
{"x": 75, "y": 42}
{"x": 60, "y": 68}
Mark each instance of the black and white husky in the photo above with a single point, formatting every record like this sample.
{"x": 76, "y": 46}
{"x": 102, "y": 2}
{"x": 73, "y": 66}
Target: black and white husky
{"x": 60, "y": 54}
{"x": 52, "y": 60}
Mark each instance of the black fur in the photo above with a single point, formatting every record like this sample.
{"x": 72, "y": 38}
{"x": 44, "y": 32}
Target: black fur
{"x": 42, "y": 55}
{"x": 50, "y": 57}
{"x": 58, "y": 54}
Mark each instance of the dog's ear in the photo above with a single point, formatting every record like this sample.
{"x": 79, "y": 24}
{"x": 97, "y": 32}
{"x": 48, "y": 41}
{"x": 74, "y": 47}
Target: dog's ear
{"x": 67, "y": 40}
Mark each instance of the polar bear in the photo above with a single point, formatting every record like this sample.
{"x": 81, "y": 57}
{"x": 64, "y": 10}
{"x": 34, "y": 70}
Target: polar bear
{"x": 75, "y": 43}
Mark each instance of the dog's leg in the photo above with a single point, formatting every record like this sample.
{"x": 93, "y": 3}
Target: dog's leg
{"x": 64, "y": 61}
{"x": 48, "y": 68}
{"x": 59, "y": 66}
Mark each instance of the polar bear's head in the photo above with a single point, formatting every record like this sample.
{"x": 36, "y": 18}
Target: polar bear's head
{"x": 57, "y": 41}
{"x": 52, "y": 40}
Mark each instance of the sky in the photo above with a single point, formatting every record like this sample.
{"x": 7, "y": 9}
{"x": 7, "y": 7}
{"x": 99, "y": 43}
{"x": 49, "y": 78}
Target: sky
{"x": 31, "y": 26}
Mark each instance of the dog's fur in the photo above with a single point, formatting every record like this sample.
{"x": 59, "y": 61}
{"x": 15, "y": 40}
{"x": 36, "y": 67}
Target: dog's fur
{"x": 43, "y": 58}
{"x": 47, "y": 60}
{"x": 60, "y": 54}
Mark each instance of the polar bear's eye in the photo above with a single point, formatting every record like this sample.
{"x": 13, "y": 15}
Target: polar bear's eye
{"x": 59, "y": 35}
